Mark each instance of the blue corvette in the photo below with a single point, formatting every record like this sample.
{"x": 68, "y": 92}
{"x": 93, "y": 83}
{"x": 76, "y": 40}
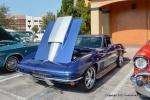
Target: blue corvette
{"x": 91, "y": 58}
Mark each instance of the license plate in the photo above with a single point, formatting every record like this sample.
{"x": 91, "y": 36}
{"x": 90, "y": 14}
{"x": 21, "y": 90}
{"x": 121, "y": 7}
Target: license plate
{"x": 39, "y": 75}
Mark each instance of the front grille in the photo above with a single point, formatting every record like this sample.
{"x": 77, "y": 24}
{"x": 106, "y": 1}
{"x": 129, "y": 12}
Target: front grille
{"x": 39, "y": 75}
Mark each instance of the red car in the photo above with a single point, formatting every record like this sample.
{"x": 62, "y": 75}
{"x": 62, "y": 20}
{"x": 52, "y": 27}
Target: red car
{"x": 141, "y": 75}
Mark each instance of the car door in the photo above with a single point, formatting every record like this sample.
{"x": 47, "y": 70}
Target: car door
{"x": 110, "y": 52}
{"x": 103, "y": 55}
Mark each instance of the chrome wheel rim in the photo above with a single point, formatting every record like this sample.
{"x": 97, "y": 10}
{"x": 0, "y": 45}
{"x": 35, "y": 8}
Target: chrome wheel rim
{"x": 120, "y": 60}
{"x": 90, "y": 78}
{"x": 11, "y": 64}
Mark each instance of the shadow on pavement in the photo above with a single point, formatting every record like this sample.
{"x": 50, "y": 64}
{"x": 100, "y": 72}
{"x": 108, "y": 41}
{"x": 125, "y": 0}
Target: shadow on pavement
{"x": 3, "y": 72}
{"x": 143, "y": 97}
{"x": 109, "y": 75}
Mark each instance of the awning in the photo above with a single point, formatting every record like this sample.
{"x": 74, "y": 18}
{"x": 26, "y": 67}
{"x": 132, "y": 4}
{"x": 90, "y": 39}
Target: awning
{"x": 101, "y": 3}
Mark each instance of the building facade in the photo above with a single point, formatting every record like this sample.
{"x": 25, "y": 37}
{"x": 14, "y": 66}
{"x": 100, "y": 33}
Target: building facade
{"x": 33, "y": 21}
{"x": 127, "y": 21}
{"x": 26, "y": 23}
{"x": 20, "y": 23}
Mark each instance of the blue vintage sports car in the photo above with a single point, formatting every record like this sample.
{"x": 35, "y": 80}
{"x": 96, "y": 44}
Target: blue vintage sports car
{"x": 86, "y": 59}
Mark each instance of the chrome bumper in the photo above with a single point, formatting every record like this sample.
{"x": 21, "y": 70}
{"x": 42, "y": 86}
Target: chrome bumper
{"x": 53, "y": 79}
{"x": 58, "y": 80}
{"x": 145, "y": 88}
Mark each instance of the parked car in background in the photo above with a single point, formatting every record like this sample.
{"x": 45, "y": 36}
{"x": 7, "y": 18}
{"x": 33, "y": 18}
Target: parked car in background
{"x": 93, "y": 57}
{"x": 9, "y": 30}
{"x": 141, "y": 74}
{"x": 25, "y": 36}
{"x": 13, "y": 49}
{"x": 39, "y": 37}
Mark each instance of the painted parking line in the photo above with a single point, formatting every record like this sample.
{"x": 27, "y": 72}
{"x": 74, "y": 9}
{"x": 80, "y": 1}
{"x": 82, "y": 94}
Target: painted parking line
{"x": 10, "y": 77}
{"x": 12, "y": 95}
{"x": 119, "y": 86}
{"x": 6, "y": 76}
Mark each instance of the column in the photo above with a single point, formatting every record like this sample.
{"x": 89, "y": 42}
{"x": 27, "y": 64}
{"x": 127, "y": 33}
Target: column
{"x": 96, "y": 21}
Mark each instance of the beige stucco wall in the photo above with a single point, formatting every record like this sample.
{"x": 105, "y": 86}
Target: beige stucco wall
{"x": 121, "y": 19}
{"x": 105, "y": 23}
{"x": 99, "y": 22}
{"x": 95, "y": 21}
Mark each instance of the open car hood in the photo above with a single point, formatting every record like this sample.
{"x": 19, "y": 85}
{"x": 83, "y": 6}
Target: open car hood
{"x": 4, "y": 35}
{"x": 59, "y": 40}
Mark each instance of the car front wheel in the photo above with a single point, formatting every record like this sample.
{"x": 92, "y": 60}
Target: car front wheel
{"x": 11, "y": 64}
{"x": 120, "y": 60}
{"x": 88, "y": 81}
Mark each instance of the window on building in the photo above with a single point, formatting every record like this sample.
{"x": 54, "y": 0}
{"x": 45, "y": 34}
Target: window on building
{"x": 29, "y": 26}
{"x": 35, "y": 20}
{"x": 40, "y": 21}
{"x": 29, "y": 21}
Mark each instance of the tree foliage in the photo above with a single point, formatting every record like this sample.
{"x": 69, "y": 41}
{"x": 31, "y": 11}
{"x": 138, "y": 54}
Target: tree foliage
{"x": 80, "y": 10}
{"x": 49, "y": 17}
{"x": 35, "y": 28}
{"x": 84, "y": 11}
{"x": 66, "y": 8}
{"x": 6, "y": 20}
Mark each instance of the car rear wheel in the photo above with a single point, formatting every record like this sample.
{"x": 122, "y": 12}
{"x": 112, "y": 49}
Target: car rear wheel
{"x": 88, "y": 81}
{"x": 11, "y": 64}
{"x": 120, "y": 60}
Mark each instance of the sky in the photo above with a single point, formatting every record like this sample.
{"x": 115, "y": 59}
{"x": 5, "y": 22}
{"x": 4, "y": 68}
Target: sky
{"x": 31, "y": 7}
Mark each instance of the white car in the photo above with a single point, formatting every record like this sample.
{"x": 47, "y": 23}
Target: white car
{"x": 39, "y": 37}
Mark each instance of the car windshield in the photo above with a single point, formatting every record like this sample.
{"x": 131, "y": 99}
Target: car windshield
{"x": 89, "y": 42}
{"x": 22, "y": 36}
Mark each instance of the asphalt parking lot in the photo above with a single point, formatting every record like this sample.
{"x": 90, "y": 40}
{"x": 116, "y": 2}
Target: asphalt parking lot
{"x": 116, "y": 85}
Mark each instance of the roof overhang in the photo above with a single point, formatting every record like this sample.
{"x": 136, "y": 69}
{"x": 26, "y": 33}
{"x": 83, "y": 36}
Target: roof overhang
{"x": 101, "y": 3}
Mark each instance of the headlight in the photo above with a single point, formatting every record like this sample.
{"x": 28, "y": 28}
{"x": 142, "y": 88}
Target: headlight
{"x": 141, "y": 62}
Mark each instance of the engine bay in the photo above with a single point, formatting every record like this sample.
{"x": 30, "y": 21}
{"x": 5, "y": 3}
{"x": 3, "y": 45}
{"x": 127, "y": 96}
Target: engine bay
{"x": 78, "y": 53}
